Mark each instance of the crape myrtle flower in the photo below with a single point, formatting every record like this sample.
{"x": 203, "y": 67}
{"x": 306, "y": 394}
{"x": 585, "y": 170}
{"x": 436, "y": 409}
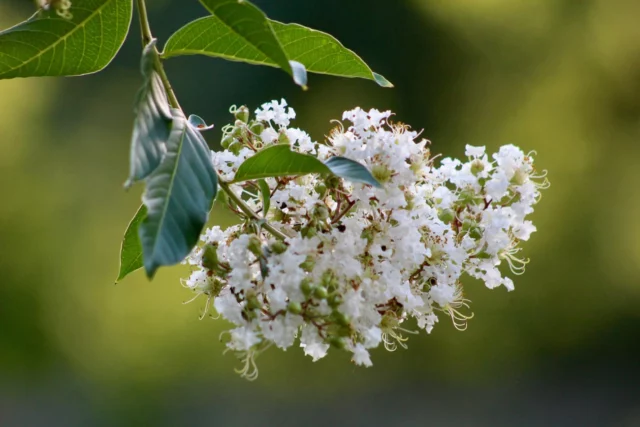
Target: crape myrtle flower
{"x": 358, "y": 262}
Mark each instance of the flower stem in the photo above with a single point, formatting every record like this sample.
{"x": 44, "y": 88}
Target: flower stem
{"x": 249, "y": 212}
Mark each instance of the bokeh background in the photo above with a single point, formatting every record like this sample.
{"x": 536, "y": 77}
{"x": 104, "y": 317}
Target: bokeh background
{"x": 558, "y": 76}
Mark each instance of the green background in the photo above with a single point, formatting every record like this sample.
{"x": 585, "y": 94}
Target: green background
{"x": 558, "y": 76}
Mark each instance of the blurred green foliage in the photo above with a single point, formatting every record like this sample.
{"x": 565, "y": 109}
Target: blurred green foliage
{"x": 556, "y": 76}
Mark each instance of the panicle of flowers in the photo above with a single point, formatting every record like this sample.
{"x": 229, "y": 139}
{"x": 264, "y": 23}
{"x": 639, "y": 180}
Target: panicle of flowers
{"x": 359, "y": 261}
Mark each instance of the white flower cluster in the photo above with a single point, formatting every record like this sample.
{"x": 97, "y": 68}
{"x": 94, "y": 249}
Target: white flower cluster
{"x": 359, "y": 261}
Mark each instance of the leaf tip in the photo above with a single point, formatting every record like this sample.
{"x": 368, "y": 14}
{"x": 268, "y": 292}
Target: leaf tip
{"x": 382, "y": 81}
{"x": 299, "y": 73}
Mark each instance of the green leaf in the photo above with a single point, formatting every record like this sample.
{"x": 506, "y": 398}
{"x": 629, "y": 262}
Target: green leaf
{"x": 266, "y": 196}
{"x": 152, "y": 125}
{"x": 250, "y": 28}
{"x": 279, "y": 160}
{"x": 131, "y": 249}
{"x": 49, "y": 45}
{"x": 178, "y": 196}
{"x": 318, "y": 52}
{"x": 351, "y": 171}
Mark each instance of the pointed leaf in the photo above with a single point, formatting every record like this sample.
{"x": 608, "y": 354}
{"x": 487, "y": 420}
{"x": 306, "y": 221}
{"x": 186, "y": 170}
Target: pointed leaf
{"x": 131, "y": 249}
{"x": 278, "y": 160}
{"x": 251, "y": 28}
{"x": 351, "y": 171}
{"x": 153, "y": 121}
{"x": 49, "y": 45}
{"x": 318, "y": 52}
{"x": 199, "y": 123}
{"x": 265, "y": 192}
{"x": 178, "y": 196}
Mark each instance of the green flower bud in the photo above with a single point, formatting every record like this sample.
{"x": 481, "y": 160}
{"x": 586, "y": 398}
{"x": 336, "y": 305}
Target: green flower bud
{"x": 235, "y": 147}
{"x": 278, "y": 247}
{"x": 308, "y": 264}
{"x": 306, "y": 287}
{"x": 283, "y": 138}
{"x": 278, "y": 215}
{"x": 309, "y": 232}
{"x": 210, "y": 256}
{"x": 294, "y": 308}
{"x": 252, "y": 300}
{"x": 321, "y": 189}
{"x": 226, "y": 141}
{"x": 367, "y": 234}
{"x": 446, "y": 215}
{"x": 255, "y": 245}
{"x": 332, "y": 181}
{"x": 334, "y": 300}
{"x": 320, "y": 292}
{"x": 475, "y": 233}
{"x": 321, "y": 212}
{"x": 257, "y": 128}
{"x": 336, "y": 342}
{"x": 242, "y": 114}
{"x": 238, "y": 131}
{"x": 340, "y": 318}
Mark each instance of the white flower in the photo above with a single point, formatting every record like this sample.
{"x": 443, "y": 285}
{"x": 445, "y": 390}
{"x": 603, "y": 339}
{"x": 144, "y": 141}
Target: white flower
{"x": 359, "y": 261}
{"x": 361, "y": 356}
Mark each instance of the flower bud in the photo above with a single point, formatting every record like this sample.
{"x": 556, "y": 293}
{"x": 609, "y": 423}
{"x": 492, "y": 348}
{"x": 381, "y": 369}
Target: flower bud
{"x": 446, "y": 215}
{"x": 309, "y": 232}
{"x": 321, "y": 189}
{"x": 210, "y": 256}
{"x": 283, "y": 138}
{"x": 235, "y": 147}
{"x": 294, "y": 308}
{"x": 340, "y": 318}
{"x": 226, "y": 141}
{"x": 242, "y": 114}
{"x": 475, "y": 233}
{"x": 336, "y": 342}
{"x": 308, "y": 264}
{"x": 306, "y": 287}
{"x": 255, "y": 245}
{"x": 257, "y": 128}
{"x": 278, "y": 247}
{"x": 320, "y": 292}
{"x": 332, "y": 181}
{"x": 321, "y": 212}
{"x": 334, "y": 300}
{"x": 252, "y": 300}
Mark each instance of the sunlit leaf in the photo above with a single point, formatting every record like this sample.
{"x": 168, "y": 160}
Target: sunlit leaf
{"x": 131, "y": 249}
{"x": 178, "y": 196}
{"x": 49, "y": 45}
{"x": 279, "y": 160}
{"x": 318, "y": 52}
{"x": 351, "y": 171}
{"x": 249, "y": 28}
{"x": 152, "y": 123}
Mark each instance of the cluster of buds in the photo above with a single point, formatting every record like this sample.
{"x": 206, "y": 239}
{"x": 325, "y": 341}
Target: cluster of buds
{"x": 357, "y": 261}
{"x": 62, "y": 7}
